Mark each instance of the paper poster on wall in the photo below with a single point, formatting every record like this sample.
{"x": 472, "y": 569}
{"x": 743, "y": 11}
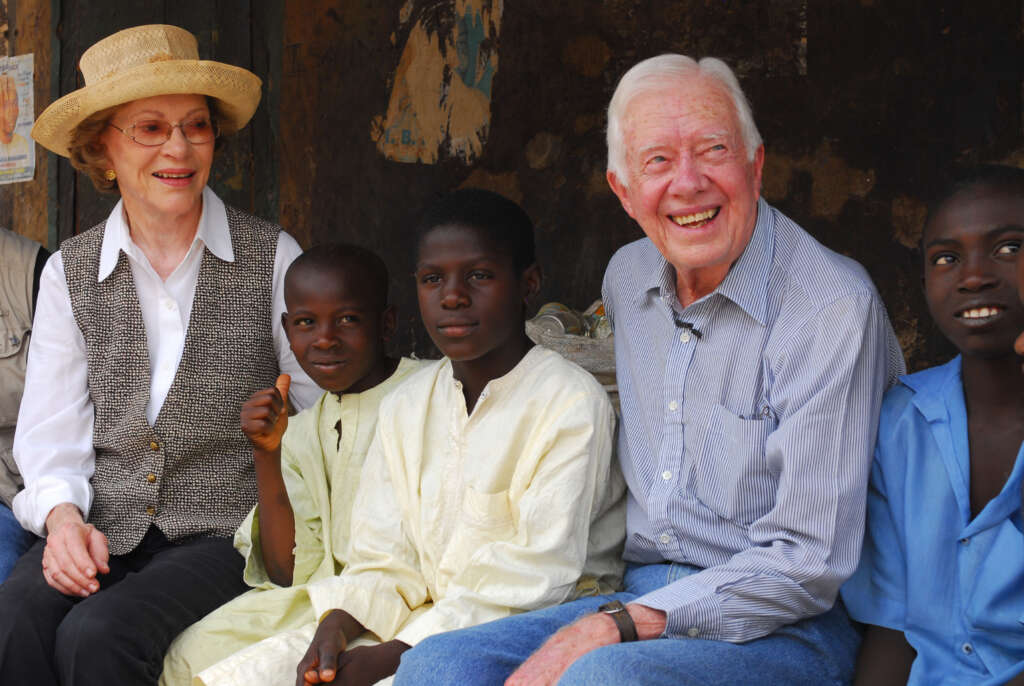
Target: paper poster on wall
{"x": 440, "y": 102}
{"x": 17, "y": 151}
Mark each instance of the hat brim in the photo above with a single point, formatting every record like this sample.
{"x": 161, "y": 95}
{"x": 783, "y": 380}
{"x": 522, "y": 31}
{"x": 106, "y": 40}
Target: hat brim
{"x": 237, "y": 91}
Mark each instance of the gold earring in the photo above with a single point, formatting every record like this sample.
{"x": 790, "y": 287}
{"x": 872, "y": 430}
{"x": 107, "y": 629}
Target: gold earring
{"x": 110, "y": 175}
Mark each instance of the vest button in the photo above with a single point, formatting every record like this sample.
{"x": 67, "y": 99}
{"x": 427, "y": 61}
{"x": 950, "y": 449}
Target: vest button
{"x": 150, "y": 510}
{"x": 151, "y": 477}
{"x": 154, "y": 445}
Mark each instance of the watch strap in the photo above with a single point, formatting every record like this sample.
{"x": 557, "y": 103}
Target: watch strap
{"x": 620, "y": 615}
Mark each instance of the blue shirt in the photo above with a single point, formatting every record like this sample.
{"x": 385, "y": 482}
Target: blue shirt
{"x": 746, "y": 448}
{"x": 953, "y": 586}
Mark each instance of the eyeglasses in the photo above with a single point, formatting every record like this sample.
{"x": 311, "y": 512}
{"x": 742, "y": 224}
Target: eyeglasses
{"x": 153, "y": 132}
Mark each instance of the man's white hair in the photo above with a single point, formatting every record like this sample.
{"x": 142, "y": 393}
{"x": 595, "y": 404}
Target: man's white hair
{"x": 659, "y": 73}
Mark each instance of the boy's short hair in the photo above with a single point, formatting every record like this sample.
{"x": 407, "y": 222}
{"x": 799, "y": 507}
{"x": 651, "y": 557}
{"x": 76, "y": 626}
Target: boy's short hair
{"x": 501, "y": 221}
{"x": 343, "y": 257}
{"x": 999, "y": 176}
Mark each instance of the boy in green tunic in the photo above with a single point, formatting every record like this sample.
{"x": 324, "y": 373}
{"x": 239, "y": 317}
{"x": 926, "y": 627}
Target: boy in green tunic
{"x": 337, "y": 322}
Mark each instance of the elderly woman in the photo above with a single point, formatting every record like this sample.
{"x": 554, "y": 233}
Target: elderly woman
{"x": 151, "y": 330}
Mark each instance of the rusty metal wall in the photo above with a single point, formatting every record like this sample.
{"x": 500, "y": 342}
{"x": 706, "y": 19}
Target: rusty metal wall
{"x": 373, "y": 106}
{"x": 861, "y": 104}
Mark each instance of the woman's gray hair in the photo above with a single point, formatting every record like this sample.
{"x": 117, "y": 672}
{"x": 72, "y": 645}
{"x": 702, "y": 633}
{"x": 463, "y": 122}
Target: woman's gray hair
{"x": 663, "y": 71}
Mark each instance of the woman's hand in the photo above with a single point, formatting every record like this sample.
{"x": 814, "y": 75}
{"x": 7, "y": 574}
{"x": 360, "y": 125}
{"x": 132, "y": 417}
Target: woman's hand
{"x": 75, "y": 552}
{"x": 265, "y": 417}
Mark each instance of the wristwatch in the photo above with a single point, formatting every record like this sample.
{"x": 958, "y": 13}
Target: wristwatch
{"x": 620, "y": 615}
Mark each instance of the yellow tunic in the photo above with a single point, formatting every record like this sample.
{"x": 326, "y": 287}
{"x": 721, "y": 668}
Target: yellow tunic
{"x": 321, "y": 473}
{"x": 462, "y": 519}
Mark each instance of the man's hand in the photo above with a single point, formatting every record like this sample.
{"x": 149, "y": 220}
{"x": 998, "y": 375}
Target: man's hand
{"x": 75, "y": 552}
{"x": 265, "y": 416}
{"x": 593, "y": 631}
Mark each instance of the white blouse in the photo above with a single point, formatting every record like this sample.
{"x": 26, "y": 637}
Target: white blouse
{"x": 53, "y": 440}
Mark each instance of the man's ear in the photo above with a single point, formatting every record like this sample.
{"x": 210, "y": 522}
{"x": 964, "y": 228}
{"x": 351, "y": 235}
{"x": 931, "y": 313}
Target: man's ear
{"x": 388, "y": 323}
{"x": 284, "y": 322}
{"x": 621, "y": 191}
{"x": 531, "y": 280}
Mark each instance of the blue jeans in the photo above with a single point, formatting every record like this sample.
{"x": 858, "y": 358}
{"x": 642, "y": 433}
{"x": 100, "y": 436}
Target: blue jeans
{"x": 14, "y": 541}
{"x": 820, "y": 650}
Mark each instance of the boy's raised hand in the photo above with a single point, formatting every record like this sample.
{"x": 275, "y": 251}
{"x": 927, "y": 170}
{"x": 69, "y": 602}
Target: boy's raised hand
{"x": 265, "y": 415}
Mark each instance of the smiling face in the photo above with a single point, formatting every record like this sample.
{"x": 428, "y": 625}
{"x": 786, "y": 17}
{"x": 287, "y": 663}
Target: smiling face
{"x": 690, "y": 183}
{"x": 471, "y": 296}
{"x": 336, "y": 328}
{"x": 163, "y": 180}
{"x": 971, "y": 248}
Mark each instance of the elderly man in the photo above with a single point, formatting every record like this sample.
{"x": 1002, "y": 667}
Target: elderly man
{"x": 751, "y": 365}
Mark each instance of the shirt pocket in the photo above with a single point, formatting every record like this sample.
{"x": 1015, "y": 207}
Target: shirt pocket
{"x": 729, "y": 473}
{"x": 13, "y": 360}
{"x": 483, "y": 519}
{"x": 487, "y": 511}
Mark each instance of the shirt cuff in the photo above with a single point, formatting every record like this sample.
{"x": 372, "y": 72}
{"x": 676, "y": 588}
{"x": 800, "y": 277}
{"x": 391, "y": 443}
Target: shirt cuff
{"x": 691, "y": 611}
{"x": 247, "y": 543}
{"x": 33, "y": 505}
{"x": 423, "y": 626}
{"x": 378, "y": 607}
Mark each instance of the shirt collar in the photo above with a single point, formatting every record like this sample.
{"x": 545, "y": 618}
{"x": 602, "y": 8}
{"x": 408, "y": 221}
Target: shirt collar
{"x": 213, "y": 232}
{"x": 937, "y": 390}
{"x": 746, "y": 284}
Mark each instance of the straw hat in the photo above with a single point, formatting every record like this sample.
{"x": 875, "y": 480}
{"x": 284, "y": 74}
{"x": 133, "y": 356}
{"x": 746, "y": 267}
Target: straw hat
{"x": 141, "y": 62}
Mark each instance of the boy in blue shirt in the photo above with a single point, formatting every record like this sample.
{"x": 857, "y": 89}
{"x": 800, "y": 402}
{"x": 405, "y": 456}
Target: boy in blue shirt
{"x": 941, "y": 578}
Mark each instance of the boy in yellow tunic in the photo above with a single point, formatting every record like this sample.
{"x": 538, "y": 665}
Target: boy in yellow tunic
{"x": 489, "y": 488}
{"x": 337, "y": 323}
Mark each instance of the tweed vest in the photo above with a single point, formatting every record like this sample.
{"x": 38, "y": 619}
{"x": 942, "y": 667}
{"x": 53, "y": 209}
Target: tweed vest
{"x": 17, "y": 271}
{"x": 191, "y": 473}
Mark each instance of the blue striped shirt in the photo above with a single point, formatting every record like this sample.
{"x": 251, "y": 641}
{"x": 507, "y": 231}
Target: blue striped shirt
{"x": 746, "y": 440}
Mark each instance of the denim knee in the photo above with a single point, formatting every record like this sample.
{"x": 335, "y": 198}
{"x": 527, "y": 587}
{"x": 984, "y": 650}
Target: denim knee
{"x": 438, "y": 660}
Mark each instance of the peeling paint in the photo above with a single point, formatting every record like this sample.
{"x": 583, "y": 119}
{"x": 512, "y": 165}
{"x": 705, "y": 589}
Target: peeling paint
{"x": 597, "y": 184}
{"x": 588, "y": 122}
{"x": 834, "y": 181}
{"x": 543, "y": 150}
{"x": 908, "y": 215}
{"x": 507, "y": 184}
{"x": 440, "y": 103}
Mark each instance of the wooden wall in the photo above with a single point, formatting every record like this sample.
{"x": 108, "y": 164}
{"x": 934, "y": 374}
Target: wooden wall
{"x": 861, "y": 105}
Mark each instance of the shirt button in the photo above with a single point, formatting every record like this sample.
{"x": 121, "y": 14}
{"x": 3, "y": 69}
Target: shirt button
{"x": 965, "y": 540}
{"x": 693, "y": 632}
{"x": 666, "y": 475}
{"x": 685, "y": 337}
{"x": 150, "y": 510}
{"x": 665, "y": 538}
{"x": 967, "y": 648}
{"x": 151, "y": 477}
{"x": 169, "y": 304}
{"x": 673, "y": 406}
{"x": 153, "y": 445}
